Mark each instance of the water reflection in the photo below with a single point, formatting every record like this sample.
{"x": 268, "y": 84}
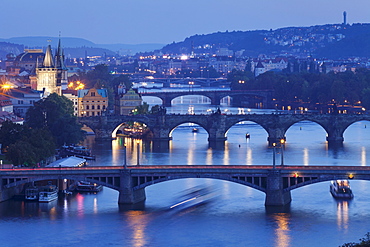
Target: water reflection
{"x": 282, "y": 230}
{"x": 342, "y": 214}
{"x": 137, "y": 221}
{"x": 363, "y": 156}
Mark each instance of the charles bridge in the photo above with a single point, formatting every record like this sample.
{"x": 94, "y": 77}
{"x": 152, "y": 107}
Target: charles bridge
{"x": 130, "y": 181}
{"x": 217, "y": 124}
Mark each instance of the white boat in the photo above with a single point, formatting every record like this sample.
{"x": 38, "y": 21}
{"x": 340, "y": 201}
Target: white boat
{"x": 340, "y": 189}
{"x": 194, "y": 197}
{"x": 32, "y": 193}
{"x": 48, "y": 193}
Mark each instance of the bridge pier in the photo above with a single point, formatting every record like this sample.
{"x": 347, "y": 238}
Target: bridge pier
{"x": 275, "y": 135}
{"x": 127, "y": 194}
{"x": 103, "y": 134}
{"x": 335, "y": 141}
{"x": 275, "y": 194}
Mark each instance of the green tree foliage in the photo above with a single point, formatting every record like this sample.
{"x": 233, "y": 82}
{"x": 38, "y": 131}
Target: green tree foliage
{"x": 34, "y": 145}
{"x": 125, "y": 79}
{"x": 55, "y": 114}
{"x": 240, "y": 80}
{"x": 364, "y": 242}
{"x": 10, "y": 133}
{"x": 141, "y": 109}
{"x": 344, "y": 88}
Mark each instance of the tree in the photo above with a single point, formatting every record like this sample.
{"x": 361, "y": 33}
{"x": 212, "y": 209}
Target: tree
{"x": 141, "y": 109}
{"x": 35, "y": 145}
{"x": 10, "y": 133}
{"x": 55, "y": 114}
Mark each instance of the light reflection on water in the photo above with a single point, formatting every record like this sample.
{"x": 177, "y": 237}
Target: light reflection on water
{"x": 237, "y": 217}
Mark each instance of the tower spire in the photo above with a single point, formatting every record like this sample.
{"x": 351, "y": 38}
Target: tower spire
{"x": 48, "y": 59}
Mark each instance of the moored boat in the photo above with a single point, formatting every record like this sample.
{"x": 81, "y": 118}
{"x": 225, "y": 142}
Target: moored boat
{"x": 340, "y": 189}
{"x": 78, "y": 151}
{"x": 48, "y": 193}
{"x": 83, "y": 186}
{"x": 32, "y": 193}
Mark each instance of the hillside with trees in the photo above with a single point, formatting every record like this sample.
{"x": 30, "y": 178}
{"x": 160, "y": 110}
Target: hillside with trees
{"x": 331, "y": 41}
{"x": 346, "y": 88}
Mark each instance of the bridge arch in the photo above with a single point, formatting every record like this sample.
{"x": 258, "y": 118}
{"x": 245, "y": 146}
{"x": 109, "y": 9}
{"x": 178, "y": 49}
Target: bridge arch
{"x": 259, "y": 184}
{"x": 173, "y": 127}
{"x": 69, "y": 177}
{"x": 299, "y": 126}
{"x": 132, "y": 125}
{"x": 241, "y": 121}
{"x": 188, "y": 98}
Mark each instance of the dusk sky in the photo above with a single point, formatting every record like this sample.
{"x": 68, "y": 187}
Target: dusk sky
{"x": 165, "y": 21}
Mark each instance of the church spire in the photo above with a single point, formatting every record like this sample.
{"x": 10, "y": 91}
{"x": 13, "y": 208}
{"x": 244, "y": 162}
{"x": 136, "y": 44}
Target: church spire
{"x": 48, "y": 59}
{"x": 59, "y": 57}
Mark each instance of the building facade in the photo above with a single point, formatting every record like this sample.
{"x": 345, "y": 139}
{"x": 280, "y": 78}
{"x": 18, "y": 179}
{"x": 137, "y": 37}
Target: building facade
{"x": 126, "y": 102}
{"x": 92, "y": 102}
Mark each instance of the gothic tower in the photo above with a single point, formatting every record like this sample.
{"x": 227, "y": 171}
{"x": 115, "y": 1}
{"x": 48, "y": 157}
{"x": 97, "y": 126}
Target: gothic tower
{"x": 62, "y": 72}
{"x": 47, "y": 75}
{"x": 52, "y": 77}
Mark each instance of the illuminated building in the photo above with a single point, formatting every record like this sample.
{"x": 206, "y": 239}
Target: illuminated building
{"x": 92, "y": 102}
{"x": 51, "y": 77}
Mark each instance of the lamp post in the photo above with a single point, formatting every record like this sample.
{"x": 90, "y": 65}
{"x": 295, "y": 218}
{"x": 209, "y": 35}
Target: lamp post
{"x": 138, "y": 152}
{"x": 282, "y": 142}
{"x": 124, "y": 156}
{"x": 273, "y": 155}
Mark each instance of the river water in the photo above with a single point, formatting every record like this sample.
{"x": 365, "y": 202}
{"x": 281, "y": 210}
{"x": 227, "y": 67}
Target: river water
{"x": 235, "y": 217}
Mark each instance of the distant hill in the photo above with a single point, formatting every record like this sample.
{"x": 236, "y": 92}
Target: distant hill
{"x": 77, "y": 47}
{"x": 331, "y": 41}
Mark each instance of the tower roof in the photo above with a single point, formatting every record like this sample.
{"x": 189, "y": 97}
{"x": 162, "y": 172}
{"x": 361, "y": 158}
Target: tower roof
{"x": 48, "y": 59}
{"x": 59, "y": 57}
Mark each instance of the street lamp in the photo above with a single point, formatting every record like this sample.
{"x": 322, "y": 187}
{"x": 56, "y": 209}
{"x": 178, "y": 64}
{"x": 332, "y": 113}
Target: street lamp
{"x": 138, "y": 152}
{"x": 273, "y": 155}
{"x": 124, "y": 156}
{"x": 282, "y": 142}
{"x": 191, "y": 83}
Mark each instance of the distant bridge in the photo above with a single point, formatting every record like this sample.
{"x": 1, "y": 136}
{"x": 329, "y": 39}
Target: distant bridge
{"x": 264, "y": 96}
{"x": 275, "y": 182}
{"x": 166, "y": 82}
{"x": 217, "y": 124}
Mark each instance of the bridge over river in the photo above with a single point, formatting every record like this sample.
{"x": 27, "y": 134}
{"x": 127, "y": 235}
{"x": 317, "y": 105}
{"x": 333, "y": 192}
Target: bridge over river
{"x": 217, "y": 124}
{"x": 238, "y": 96}
{"x": 130, "y": 181}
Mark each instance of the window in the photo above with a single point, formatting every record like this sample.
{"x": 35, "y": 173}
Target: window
{"x": 87, "y": 107}
{"x": 92, "y": 107}
{"x": 93, "y": 94}
{"x": 98, "y": 107}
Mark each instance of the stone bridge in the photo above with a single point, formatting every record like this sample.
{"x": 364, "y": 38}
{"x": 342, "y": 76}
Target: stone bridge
{"x": 217, "y": 125}
{"x": 131, "y": 181}
{"x": 216, "y": 95}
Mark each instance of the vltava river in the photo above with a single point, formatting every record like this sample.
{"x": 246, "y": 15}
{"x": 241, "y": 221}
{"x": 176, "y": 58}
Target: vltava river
{"x": 237, "y": 215}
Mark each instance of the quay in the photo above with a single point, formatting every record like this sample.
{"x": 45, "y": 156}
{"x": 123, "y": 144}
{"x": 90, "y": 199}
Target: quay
{"x": 130, "y": 181}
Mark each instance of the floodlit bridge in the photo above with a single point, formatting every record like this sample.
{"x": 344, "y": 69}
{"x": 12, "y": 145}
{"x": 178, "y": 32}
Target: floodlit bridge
{"x": 131, "y": 181}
